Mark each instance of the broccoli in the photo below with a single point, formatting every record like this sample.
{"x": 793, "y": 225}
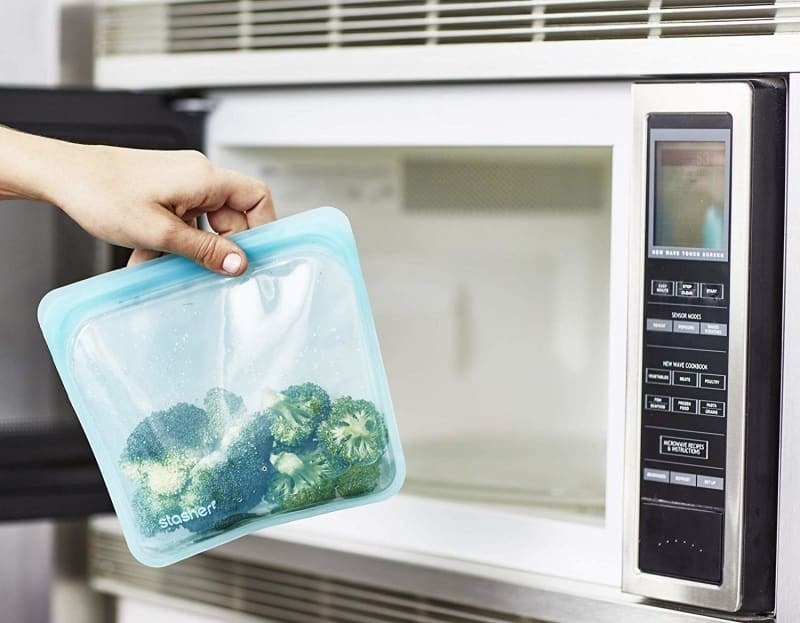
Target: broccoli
{"x": 150, "y": 508}
{"x": 207, "y": 470}
{"x": 224, "y": 408}
{"x": 354, "y": 432}
{"x": 163, "y": 447}
{"x": 225, "y": 483}
{"x": 250, "y": 443}
{"x": 165, "y": 477}
{"x": 302, "y": 479}
{"x": 296, "y": 411}
{"x": 234, "y": 479}
{"x": 358, "y": 480}
{"x": 310, "y": 397}
{"x": 183, "y": 427}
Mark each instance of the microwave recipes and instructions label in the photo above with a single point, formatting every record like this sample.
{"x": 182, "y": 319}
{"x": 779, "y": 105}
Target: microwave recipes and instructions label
{"x": 679, "y": 446}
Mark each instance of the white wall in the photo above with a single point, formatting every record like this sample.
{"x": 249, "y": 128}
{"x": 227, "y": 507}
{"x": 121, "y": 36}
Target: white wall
{"x": 29, "y": 42}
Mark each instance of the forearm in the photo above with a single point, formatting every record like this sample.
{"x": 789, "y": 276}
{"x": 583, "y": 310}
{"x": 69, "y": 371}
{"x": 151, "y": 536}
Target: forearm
{"x": 33, "y": 167}
{"x": 138, "y": 198}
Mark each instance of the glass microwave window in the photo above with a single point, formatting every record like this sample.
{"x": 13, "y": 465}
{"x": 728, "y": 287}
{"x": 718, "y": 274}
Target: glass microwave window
{"x": 690, "y": 194}
{"x": 491, "y": 308}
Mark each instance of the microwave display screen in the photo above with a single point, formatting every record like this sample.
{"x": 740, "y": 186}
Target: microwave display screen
{"x": 690, "y": 195}
{"x": 688, "y": 188}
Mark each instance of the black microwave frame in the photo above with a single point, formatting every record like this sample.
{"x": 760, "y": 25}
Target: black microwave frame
{"x": 50, "y": 472}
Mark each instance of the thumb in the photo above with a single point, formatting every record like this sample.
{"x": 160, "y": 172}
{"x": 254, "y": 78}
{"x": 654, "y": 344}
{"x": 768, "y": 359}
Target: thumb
{"x": 210, "y": 250}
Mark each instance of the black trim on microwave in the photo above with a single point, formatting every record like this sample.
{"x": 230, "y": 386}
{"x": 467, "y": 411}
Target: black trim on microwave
{"x": 764, "y": 330}
{"x": 47, "y": 470}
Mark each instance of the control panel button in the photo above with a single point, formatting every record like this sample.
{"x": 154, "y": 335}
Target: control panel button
{"x": 712, "y": 408}
{"x": 684, "y": 379}
{"x": 681, "y": 478}
{"x": 712, "y": 291}
{"x": 657, "y": 403}
{"x": 714, "y": 328}
{"x": 653, "y": 375}
{"x": 712, "y": 381}
{"x": 685, "y": 326}
{"x": 656, "y": 475}
{"x": 656, "y": 324}
{"x": 687, "y": 288}
{"x": 684, "y": 405}
{"x": 711, "y": 482}
{"x": 662, "y": 288}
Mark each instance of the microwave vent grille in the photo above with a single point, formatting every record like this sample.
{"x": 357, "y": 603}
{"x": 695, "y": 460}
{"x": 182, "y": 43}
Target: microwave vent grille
{"x": 126, "y": 27}
{"x": 269, "y": 593}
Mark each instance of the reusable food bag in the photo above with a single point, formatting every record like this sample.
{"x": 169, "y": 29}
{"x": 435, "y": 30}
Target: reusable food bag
{"x": 218, "y": 406}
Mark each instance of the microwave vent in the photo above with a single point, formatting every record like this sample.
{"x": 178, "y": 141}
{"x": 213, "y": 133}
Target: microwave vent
{"x": 128, "y": 27}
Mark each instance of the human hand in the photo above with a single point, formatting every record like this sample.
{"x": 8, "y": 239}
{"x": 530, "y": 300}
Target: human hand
{"x": 143, "y": 199}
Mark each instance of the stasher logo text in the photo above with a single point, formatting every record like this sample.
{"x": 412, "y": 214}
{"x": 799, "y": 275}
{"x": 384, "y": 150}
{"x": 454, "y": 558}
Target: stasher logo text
{"x": 187, "y": 516}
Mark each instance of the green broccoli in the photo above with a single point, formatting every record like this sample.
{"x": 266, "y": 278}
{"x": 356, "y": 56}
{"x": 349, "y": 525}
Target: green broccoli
{"x": 251, "y": 442}
{"x": 310, "y": 397}
{"x": 224, "y": 408}
{"x": 225, "y": 483}
{"x": 302, "y": 479}
{"x": 183, "y": 427}
{"x": 165, "y": 477}
{"x": 358, "y": 480}
{"x": 296, "y": 411}
{"x": 354, "y": 432}
{"x": 207, "y": 470}
{"x": 233, "y": 479}
{"x": 150, "y": 511}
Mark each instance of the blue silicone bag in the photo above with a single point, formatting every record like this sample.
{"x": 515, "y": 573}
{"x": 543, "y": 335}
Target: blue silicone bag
{"x": 219, "y": 406}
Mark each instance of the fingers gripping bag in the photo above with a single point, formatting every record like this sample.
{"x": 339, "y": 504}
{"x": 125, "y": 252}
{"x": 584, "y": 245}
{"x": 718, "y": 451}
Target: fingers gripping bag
{"x": 217, "y": 406}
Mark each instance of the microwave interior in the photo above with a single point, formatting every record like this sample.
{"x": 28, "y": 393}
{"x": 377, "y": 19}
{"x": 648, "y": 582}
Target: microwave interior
{"x": 488, "y": 273}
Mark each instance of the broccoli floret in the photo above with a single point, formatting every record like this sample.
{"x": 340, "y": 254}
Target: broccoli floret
{"x": 209, "y": 469}
{"x": 247, "y": 459}
{"x": 159, "y": 456}
{"x": 302, "y": 479}
{"x": 296, "y": 412}
{"x": 183, "y": 427}
{"x": 358, "y": 480}
{"x": 235, "y": 478}
{"x": 166, "y": 513}
{"x": 310, "y": 397}
{"x": 224, "y": 408}
{"x": 251, "y": 442}
{"x": 165, "y": 477}
{"x": 149, "y": 509}
{"x": 354, "y": 432}
{"x": 224, "y": 484}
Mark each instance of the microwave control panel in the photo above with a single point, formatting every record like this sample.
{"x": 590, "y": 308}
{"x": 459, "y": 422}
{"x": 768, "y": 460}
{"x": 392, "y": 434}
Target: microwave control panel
{"x": 704, "y": 343}
{"x": 685, "y": 347}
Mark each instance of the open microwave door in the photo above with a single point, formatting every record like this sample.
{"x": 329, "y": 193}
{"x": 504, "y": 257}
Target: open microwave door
{"x": 46, "y": 466}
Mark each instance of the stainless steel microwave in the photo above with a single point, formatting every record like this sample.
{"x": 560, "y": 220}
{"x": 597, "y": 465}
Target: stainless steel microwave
{"x": 581, "y": 292}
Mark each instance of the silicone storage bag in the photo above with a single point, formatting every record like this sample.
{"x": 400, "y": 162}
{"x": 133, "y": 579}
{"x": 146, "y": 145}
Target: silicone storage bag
{"x": 218, "y": 406}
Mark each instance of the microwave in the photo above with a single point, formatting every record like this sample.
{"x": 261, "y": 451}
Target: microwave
{"x": 583, "y": 291}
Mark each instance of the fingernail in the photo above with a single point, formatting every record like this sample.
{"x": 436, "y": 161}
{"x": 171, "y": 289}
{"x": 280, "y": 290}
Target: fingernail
{"x": 232, "y": 263}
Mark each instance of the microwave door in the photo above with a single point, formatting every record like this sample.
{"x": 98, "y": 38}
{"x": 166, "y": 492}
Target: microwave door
{"x": 46, "y": 466}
